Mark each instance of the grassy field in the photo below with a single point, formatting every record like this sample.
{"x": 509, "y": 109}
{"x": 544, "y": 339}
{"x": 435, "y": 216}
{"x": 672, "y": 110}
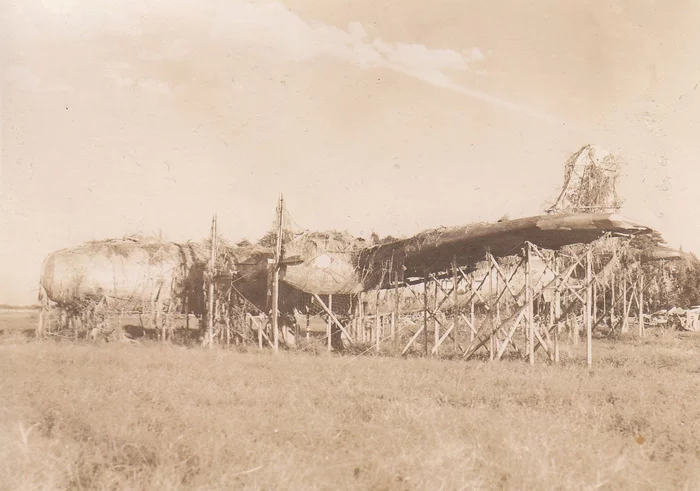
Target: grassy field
{"x": 115, "y": 416}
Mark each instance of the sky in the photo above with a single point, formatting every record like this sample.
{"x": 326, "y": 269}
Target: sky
{"x": 368, "y": 115}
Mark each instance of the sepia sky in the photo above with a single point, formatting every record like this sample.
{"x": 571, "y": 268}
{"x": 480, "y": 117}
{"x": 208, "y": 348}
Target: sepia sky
{"x": 369, "y": 115}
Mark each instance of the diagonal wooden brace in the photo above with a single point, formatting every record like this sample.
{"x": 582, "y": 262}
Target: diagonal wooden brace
{"x": 509, "y": 337}
{"x": 413, "y": 338}
{"x": 481, "y": 342}
{"x": 333, "y": 317}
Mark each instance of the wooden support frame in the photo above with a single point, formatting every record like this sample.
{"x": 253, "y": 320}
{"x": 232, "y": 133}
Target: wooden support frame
{"x": 533, "y": 310}
{"x": 331, "y": 316}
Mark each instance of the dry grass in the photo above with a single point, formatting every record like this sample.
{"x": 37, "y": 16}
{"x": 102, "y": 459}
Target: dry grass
{"x": 78, "y": 416}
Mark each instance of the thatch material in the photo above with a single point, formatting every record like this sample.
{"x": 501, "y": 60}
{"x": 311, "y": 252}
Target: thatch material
{"x": 434, "y": 250}
{"x": 129, "y": 274}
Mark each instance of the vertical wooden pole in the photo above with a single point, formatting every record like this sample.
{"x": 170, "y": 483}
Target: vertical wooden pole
{"x": 472, "y": 318}
{"x": 589, "y": 305}
{"x": 329, "y": 324}
{"x": 530, "y": 305}
{"x": 557, "y": 311}
{"x": 297, "y": 331}
{"x": 276, "y": 276}
{"x": 212, "y": 266}
{"x": 40, "y": 325}
{"x": 161, "y": 320}
{"x": 491, "y": 314}
{"x": 425, "y": 313}
{"x": 377, "y": 325}
{"x": 308, "y": 324}
{"x": 397, "y": 309}
{"x": 550, "y": 328}
{"x": 43, "y": 313}
{"x": 641, "y": 304}
{"x": 595, "y": 302}
{"x": 353, "y": 316}
{"x": 455, "y": 308}
{"x": 612, "y": 302}
{"x": 498, "y": 292}
{"x": 260, "y": 331}
{"x": 244, "y": 324}
{"x": 625, "y": 309}
{"x": 361, "y": 327}
{"x": 63, "y": 320}
{"x": 436, "y": 328}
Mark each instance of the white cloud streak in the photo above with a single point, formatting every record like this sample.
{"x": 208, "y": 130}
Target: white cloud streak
{"x": 273, "y": 25}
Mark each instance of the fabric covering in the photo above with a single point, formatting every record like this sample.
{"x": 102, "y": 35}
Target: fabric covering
{"x": 125, "y": 274}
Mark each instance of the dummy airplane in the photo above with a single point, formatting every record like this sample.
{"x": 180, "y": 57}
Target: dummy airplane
{"x": 322, "y": 264}
{"x": 125, "y": 273}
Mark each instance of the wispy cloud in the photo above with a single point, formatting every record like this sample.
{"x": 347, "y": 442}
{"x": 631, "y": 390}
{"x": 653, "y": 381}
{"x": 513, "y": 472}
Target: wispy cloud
{"x": 275, "y": 26}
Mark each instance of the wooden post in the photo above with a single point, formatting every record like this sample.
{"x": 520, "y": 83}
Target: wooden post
{"x": 550, "y": 328}
{"x": 361, "y": 320}
{"x": 436, "y": 329}
{"x": 297, "y": 332}
{"x": 530, "y": 304}
{"x": 491, "y": 319}
{"x": 161, "y": 320}
{"x": 330, "y": 321}
{"x": 44, "y": 324}
{"x": 498, "y": 304}
{"x": 352, "y": 328}
{"x": 395, "y": 313}
{"x": 276, "y": 277}
{"x": 425, "y": 313}
{"x": 244, "y": 324}
{"x": 589, "y": 305}
{"x": 641, "y": 303}
{"x": 40, "y": 325}
{"x": 212, "y": 266}
{"x": 455, "y": 308}
{"x": 472, "y": 318}
{"x": 612, "y": 302}
{"x": 595, "y": 302}
{"x": 625, "y": 309}
{"x": 557, "y": 311}
{"x": 377, "y": 325}
{"x": 308, "y": 323}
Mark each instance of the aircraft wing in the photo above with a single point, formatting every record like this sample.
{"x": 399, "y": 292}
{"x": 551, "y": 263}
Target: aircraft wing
{"x": 433, "y": 250}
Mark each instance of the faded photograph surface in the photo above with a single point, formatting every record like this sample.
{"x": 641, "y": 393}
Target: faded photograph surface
{"x": 363, "y": 245}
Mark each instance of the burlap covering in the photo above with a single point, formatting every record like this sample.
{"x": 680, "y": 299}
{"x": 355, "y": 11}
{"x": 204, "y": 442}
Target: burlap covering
{"x": 125, "y": 275}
